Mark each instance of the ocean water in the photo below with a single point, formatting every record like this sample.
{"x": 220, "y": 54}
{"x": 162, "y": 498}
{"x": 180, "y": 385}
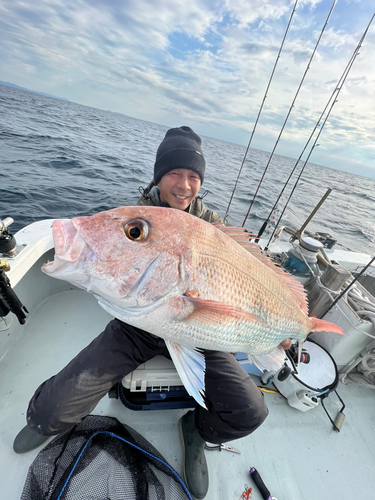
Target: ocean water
{"x": 59, "y": 159}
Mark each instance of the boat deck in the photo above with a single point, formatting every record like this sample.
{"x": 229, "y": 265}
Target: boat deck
{"x": 299, "y": 455}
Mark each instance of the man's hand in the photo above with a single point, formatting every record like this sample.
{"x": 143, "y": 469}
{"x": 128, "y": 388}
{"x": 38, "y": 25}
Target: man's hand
{"x": 285, "y": 344}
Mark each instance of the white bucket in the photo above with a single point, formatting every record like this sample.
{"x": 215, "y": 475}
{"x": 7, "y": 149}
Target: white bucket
{"x": 318, "y": 377}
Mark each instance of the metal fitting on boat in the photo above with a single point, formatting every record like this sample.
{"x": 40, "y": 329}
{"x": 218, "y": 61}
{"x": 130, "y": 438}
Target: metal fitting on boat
{"x": 4, "y": 265}
{"x": 5, "y": 223}
{"x": 7, "y": 240}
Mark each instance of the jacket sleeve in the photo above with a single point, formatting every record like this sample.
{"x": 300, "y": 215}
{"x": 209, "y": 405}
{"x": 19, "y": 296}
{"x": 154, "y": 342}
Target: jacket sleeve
{"x": 198, "y": 209}
{"x": 211, "y": 216}
{"x": 145, "y": 201}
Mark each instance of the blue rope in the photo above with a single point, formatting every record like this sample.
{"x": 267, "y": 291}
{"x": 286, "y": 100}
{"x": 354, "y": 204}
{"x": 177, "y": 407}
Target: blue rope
{"x": 132, "y": 445}
{"x": 319, "y": 393}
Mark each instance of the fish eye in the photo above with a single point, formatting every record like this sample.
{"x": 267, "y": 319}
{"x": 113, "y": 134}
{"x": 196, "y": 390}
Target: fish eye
{"x": 136, "y": 230}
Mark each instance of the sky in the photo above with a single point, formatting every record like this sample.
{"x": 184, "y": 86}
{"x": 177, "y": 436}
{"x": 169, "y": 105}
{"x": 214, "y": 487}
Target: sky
{"x": 207, "y": 64}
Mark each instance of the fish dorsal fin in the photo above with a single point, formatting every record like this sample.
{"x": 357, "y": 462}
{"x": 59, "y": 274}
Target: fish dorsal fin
{"x": 243, "y": 237}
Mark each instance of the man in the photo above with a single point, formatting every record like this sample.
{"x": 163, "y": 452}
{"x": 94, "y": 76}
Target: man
{"x": 235, "y": 406}
{"x": 178, "y": 175}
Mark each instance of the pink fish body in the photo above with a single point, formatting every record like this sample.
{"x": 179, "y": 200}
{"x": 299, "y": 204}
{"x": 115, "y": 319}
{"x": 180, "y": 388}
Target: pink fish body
{"x": 186, "y": 281}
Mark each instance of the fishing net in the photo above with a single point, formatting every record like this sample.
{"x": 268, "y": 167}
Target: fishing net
{"x": 102, "y": 459}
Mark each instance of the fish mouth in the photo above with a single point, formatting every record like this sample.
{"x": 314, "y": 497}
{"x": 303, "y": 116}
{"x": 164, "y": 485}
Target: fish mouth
{"x": 63, "y": 233}
{"x": 71, "y": 250}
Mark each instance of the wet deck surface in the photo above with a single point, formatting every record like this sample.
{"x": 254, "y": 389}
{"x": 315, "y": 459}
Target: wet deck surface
{"x": 298, "y": 454}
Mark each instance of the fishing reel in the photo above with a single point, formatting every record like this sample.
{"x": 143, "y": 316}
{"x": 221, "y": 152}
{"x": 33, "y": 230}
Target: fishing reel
{"x": 285, "y": 371}
{"x": 292, "y": 354}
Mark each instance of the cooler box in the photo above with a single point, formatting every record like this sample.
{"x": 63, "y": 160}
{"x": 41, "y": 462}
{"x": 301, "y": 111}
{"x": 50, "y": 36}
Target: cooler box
{"x": 156, "y": 385}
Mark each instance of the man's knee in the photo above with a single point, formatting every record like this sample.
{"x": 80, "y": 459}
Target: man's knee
{"x": 219, "y": 426}
{"x": 249, "y": 418}
{"x": 245, "y": 419}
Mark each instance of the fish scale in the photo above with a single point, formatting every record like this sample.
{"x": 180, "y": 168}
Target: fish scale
{"x": 249, "y": 295}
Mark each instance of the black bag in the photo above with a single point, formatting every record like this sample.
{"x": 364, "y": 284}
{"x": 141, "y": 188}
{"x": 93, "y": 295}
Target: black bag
{"x": 102, "y": 459}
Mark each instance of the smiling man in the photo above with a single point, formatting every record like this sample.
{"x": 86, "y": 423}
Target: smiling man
{"x": 178, "y": 175}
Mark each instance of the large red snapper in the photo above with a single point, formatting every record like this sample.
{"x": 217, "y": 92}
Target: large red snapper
{"x": 185, "y": 280}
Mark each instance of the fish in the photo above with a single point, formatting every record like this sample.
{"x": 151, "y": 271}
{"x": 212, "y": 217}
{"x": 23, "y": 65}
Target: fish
{"x": 196, "y": 285}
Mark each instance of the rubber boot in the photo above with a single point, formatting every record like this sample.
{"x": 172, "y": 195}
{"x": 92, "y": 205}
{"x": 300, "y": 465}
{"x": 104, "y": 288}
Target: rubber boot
{"x": 194, "y": 462}
{"x": 27, "y": 440}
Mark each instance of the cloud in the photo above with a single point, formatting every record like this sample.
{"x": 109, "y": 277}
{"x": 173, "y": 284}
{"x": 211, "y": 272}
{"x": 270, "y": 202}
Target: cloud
{"x": 208, "y": 61}
{"x": 258, "y": 10}
{"x": 338, "y": 39}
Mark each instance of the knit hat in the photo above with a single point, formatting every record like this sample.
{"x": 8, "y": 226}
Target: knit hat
{"x": 180, "y": 148}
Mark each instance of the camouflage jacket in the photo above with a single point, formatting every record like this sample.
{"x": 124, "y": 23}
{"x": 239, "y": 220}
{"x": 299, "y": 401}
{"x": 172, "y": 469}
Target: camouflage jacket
{"x": 150, "y": 197}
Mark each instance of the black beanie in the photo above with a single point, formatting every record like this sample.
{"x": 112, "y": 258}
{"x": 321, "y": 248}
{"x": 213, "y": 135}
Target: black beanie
{"x": 180, "y": 148}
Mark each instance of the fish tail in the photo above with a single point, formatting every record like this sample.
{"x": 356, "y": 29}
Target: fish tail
{"x": 319, "y": 325}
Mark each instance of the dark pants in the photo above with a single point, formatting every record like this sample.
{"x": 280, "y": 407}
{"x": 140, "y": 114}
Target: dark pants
{"x": 235, "y": 405}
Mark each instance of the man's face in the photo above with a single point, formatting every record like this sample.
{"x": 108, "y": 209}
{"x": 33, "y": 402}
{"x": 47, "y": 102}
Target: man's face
{"x": 179, "y": 187}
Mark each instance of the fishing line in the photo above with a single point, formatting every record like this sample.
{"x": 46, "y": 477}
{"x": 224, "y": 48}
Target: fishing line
{"x": 260, "y": 110}
{"x": 332, "y": 99}
{"x": 291, "y": 107}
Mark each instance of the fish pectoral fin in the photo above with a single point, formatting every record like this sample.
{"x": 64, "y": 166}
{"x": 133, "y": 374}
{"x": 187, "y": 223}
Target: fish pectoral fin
{"x": 214, "y": 312}
{"x": 267, "y": 362}
{"x": 191, "y": 367}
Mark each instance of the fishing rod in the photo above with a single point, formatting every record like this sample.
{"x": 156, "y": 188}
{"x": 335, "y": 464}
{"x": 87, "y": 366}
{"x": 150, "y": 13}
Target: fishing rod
{"x": 290, "y": 109}
{"x": 260, "y": 110}
{"x": 334, "y": 99}
{"x": 347, "y": 288}
{"x": 339, "y": 84}
{"x": 317, "y": 125}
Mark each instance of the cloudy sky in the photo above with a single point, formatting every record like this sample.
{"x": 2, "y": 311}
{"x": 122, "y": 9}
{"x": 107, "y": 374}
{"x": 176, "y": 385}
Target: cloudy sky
{"x": 205, "y": 63}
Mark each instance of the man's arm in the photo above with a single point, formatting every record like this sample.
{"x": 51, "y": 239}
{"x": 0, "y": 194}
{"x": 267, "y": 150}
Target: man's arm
{"x": 211, "y": 216}
{"x": 198, "y": 209}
